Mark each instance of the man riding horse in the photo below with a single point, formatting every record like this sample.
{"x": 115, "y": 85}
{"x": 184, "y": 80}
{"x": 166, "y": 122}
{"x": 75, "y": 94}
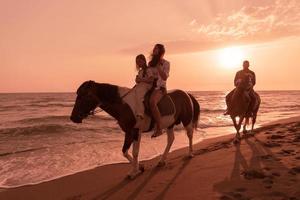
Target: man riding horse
{"x": 243, "y": 102}
{"x": 241, "y": 75}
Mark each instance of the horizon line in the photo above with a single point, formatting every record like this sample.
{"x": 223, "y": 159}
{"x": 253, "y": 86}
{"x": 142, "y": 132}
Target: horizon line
{"x": 263, "y": 90}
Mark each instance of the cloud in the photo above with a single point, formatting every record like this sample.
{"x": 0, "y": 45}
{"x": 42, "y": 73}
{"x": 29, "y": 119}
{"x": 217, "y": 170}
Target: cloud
{"x": 193, "y": 22}
{"x": 278, "y": 20}
{"x": 250, "y": 24}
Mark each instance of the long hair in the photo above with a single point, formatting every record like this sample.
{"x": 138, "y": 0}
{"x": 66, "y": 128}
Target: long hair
{"x": 155, "y": 58}
{"x": 140, "y": 56}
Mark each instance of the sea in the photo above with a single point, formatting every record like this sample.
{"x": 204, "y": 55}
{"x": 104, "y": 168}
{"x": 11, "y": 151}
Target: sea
{"x": 38, "y": 142}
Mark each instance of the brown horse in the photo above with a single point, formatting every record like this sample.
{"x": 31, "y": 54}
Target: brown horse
{"x": 238, "y": 103}
{"x": 110, "y": 98}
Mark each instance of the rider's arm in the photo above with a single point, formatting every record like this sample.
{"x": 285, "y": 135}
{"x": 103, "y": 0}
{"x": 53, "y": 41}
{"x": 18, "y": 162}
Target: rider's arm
{"x": 236, "y": 78}
{"x": 254, "y": 79}
{"x": 164, "y": 70}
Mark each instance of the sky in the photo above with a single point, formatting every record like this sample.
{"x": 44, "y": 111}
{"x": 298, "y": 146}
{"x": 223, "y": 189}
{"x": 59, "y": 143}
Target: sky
{"x": 53, "y": 46}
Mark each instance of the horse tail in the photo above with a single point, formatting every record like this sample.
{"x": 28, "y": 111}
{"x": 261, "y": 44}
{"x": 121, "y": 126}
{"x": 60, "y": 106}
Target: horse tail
{"x": 196, "y": 113}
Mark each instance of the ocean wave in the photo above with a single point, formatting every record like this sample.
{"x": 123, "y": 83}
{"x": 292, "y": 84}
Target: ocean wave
{"x": 207, "y": 110}
{"x": 50, "y": 105}
{"x": 44, "y": 100}
{"x": 60, "y": 124}
{"x": 60, "y": 119}
{"x": 281, "y": 107}
{"x": 44, "y": 119}
{"x": 38, "y": 129}
{"x": 201, "y": 125}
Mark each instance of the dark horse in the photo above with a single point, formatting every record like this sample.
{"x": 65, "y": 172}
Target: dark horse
{"x": 91, "y": 95}
{"x": 239, "y": 105}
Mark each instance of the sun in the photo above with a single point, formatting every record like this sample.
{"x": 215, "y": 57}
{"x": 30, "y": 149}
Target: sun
{"x": 231, "y": 57}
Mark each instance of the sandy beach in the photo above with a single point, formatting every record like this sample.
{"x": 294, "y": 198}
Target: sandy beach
{"x": 266, "y": 165}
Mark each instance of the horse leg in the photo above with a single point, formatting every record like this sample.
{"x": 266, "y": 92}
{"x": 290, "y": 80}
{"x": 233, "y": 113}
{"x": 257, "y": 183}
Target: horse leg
{"x": 241, "y": 119}
{"x": 190, "y": 133}
{"x": 132, "y": 137}
{"x": 234, "y": 122}
{"x": 127, "y": 143}
{"x": 136, "y": 169}
{"x": 253, "y": 121}
{"x": 128, "y": 156}
{"x": 170, "y": 134}
{"x": 237, "y": 128}
{"x": 245, "y": 125}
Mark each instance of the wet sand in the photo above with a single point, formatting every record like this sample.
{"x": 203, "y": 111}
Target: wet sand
{"x": 265, "y": 165}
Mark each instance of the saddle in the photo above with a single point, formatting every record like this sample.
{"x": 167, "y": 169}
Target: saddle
{"x": 165, "y": 105}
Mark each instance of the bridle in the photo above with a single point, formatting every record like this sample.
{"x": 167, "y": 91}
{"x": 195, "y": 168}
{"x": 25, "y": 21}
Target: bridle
{"x": 93, "y": 112}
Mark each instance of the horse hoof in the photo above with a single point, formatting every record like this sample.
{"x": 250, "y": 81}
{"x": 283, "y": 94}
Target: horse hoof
{"x": 191, "y": 155}
{"x": 236, "y": 141}
{"x": 161, "y": 164}
{"x": 133, "y": 175}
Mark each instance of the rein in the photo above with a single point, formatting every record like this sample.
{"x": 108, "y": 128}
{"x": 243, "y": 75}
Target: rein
{"x": 124, "y": 95}
{"x": 93, "y": 112}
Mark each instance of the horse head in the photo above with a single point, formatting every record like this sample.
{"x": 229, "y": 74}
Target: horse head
{"x": 245, "y": 82}
{"x": 239, "y": 100}
{"x": 86, "y": 101}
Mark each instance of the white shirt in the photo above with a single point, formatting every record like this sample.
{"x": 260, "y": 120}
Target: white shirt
{"x": 165, "y": 66}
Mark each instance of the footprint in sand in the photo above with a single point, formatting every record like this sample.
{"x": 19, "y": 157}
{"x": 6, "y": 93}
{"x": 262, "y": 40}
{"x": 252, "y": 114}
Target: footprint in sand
{"x": 267, "y": 168}
{"x": 276, "y": 137}
{"x": 267, "y": 132}
{"x": 280, "y": 132}
{"x": 224, "y": 197}
{"x": 275, "y": 174}
{"x": 297, "y": 139}
{"x": 271, "y": 144}
{"x": 268, "y": 181}
{"x": 267, "y": 157}
{"x": 286, "y": 152}
{"x": 234, "y": 196}
{"x": 253, "y": 174}
{"x": 268, "y": 186}
{"x": 295, "y": 170}
{"x": 292, "y": 129}
{"x": 241, "y": 189}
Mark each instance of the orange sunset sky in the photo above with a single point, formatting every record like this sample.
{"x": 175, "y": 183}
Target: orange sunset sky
{"x": 53, "y": 46}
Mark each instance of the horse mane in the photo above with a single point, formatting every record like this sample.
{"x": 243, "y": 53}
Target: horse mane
{"x": 84, "y": 86}
{"x": 108, "y": 93}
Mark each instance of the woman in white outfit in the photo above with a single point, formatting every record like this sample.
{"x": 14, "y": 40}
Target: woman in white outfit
{"x": 144, "y": 82}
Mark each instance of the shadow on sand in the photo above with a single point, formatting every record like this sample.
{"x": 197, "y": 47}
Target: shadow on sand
{"x": 263, "y": 175}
